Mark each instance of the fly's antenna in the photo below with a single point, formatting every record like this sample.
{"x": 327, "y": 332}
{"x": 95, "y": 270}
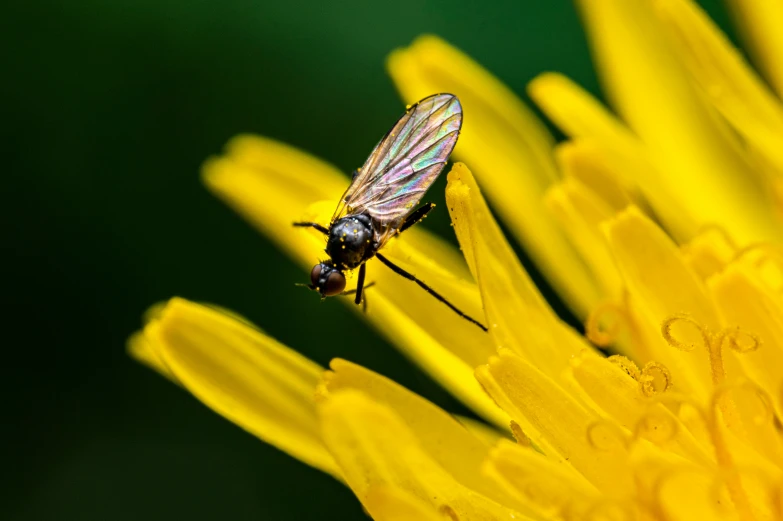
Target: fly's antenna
{"x": 308, "y": 224}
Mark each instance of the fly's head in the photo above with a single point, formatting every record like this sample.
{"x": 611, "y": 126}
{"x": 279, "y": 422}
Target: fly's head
{"x": 327, "y": 279}
{"x": 351, "y": 241}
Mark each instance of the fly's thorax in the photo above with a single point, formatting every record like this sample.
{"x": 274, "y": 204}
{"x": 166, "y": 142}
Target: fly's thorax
{"x": 351, "y": 241}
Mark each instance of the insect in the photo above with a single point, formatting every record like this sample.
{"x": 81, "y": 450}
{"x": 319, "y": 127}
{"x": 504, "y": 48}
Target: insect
{"x": 378, "y": 204}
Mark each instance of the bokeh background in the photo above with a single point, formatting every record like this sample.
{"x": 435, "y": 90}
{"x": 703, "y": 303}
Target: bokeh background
{"x": 108, "y": 111}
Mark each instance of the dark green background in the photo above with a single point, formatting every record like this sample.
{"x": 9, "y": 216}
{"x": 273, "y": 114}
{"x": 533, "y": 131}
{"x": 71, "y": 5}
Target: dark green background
{"x": 109, "y": 108}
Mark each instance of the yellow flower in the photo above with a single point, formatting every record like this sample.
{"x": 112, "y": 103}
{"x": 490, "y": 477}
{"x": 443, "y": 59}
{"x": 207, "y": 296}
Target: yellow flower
{"x": 659, "y": 226}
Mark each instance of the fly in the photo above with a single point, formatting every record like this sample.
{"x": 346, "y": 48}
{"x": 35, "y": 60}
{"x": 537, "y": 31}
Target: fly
{"x": 379, "y": 202}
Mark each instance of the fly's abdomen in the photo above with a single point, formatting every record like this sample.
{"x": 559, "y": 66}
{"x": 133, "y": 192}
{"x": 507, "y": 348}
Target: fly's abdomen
{"x": 350, "y": 241}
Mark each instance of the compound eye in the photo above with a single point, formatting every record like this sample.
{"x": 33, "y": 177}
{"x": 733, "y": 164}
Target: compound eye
{"x": 335, "y": 284}
{"x": 316, "y": 274}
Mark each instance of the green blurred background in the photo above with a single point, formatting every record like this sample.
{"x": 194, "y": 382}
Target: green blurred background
{"x": 109, "y": 109}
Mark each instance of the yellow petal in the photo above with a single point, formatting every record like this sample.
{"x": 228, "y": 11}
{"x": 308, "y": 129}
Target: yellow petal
{"x": 375, "y": 448}
{"x": 739, "y": 467}
{"x": 603, "y": 139}
{"x": 441, "y": 436}
{"x": 444, "y": 366}
{"x": 550, "y": 489}
{"x": 726, "y": 79}
{"x": 662, "y": 286}
{"x": 556, "y": 422}
{"x": 584, "y": 161}
{"x": 764, "y": 262}
{"x": 387, "y": 503}
{"x": 677, "y": 490}
{"x": 624, "y": 400}
{"x": 579, "y": 114}
{"x": 268, "y": 183}
{"x": 695, "y": 153}
{"x": 708, "y": 252}
{"x": 486, "y": 434}
{"x": 459, "y": 336}
{"x": 652, "y": 266}
{"x": 519, "y": 318}
{"x": 760, "y": 22}
{"x": 243, "y": 375}
{"x": 745, "y": 303}
{"x": 272, "y": 185}
{"x": 140, "y": 348}
{"x": 580, "y": 213}
{"x": 684, "y": 494}
{"x": 509, "y": 148}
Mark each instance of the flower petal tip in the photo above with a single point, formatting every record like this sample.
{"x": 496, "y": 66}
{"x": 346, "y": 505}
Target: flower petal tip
{"x": 544, "y": 83}
{"x": 630, "y": 215}
{"x": 459, "y": 173}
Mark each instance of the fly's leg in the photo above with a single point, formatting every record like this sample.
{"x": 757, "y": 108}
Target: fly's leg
{"x": 364, "y": 295}
{"x": 399, "y": 271}
{"x": 317, "y": 226}
{"x": 360, "y": 284}
{"x": 417, "y": 216}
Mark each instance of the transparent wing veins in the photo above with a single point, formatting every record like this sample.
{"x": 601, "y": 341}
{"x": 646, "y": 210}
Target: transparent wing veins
{"x": 405, "y": 162}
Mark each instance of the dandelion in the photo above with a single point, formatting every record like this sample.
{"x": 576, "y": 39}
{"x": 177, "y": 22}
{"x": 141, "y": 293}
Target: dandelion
{"x": 659, "y": 226}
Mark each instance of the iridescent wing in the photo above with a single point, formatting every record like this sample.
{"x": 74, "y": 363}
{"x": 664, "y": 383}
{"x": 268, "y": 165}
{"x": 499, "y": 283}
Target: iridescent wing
{"x": 405, "y": 162}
